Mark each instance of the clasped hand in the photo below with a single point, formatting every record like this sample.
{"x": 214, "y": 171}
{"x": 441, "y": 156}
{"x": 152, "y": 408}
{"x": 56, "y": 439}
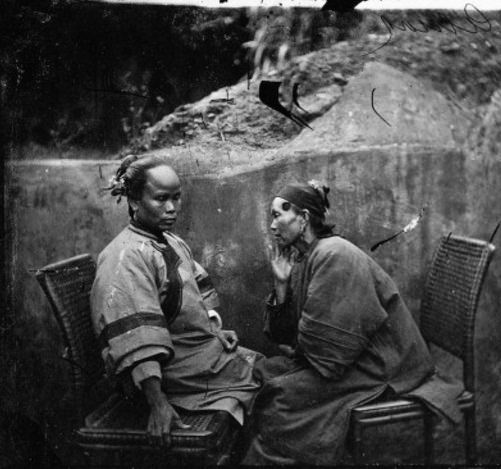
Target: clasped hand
{"x": 287, "y": 350}
{"x": 229, "y": 339}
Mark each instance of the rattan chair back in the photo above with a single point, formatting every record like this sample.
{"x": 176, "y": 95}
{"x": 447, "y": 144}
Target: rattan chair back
{"x": 111, "y": 427}
{"x": 67, "y": 285}
{"x": 450, "y": 298}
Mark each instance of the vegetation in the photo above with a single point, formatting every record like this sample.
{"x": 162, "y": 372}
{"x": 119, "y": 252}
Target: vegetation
{"x": 88, "y": 79}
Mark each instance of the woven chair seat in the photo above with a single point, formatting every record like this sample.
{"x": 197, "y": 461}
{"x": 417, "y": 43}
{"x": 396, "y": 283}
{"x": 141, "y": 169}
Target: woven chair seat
{"x": 400, "y": 409}
{"x": 122, "y": 422}
{"x": 394, "y": 410}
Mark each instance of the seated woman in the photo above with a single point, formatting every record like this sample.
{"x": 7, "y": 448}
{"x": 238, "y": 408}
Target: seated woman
{"x": 346, "y": 333}
{"x": 151, "y": 304}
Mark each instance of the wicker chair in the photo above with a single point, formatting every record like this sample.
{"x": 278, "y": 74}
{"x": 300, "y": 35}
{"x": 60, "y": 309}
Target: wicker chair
{"x": 448, "y": 309}
{"x": 112, "y": 427}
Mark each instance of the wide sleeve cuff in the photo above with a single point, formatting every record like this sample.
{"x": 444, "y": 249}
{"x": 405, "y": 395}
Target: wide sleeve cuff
{"x": 211, "y": 300}
{"x": 329, "y": 349}
{"x": 131, "y": 345}
{"x": 279, "y": 325}
{"x": 207, "y": 290}
{"x": 145, "y": 370}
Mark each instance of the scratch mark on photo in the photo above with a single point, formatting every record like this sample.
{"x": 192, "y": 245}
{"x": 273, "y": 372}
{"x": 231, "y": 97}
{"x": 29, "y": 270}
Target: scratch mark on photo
{"x": 409, "y": 227}
{"x": 374, "y": 109}
{"x": 494, "y": 232}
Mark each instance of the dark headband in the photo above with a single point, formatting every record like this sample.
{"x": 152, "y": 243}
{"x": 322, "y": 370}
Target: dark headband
{"x": 305, "y": 197}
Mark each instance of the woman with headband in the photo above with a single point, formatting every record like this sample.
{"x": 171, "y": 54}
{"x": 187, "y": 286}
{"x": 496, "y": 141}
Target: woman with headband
{"x": 346, "y": 335}
{"x": 152, "y": 306}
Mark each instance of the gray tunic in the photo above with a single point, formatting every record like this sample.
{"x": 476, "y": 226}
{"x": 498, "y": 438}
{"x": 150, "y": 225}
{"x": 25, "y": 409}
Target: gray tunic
{"x": 150, "y": 303}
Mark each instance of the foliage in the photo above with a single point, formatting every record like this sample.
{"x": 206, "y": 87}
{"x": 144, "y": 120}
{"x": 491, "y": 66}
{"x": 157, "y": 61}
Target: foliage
{"x": 91, "y": 75}
{"x": 85, "y": 75}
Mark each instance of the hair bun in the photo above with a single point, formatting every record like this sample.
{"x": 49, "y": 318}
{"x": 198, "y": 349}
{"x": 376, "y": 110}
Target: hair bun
{"x": 322, "y": 191}
{"x": 126, "y": 162}
{"x": 117, "y": 183}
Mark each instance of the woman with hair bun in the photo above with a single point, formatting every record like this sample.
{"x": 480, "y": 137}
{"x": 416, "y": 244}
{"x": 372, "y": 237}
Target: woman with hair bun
{"x": 152, "y": 306}
{"x": 346, "y": 335}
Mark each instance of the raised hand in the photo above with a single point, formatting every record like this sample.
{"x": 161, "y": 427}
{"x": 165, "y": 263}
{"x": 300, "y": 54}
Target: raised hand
{"x": 282, "y": 261}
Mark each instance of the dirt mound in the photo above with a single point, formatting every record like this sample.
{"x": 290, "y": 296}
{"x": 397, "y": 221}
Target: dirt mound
{"x": 457, "y": 72}
{"x": 384, "y": 106}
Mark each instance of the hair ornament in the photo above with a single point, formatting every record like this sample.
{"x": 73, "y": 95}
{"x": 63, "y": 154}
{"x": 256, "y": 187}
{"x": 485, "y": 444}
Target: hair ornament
{"x": 314, "y": 184}
{"x": 117, "y": 187}
{"x": 118, "y": 182}
{"x": 322, "y": 191}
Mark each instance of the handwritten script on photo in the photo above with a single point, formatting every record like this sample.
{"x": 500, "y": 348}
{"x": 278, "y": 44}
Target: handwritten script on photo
{"x": 470, "y": 21}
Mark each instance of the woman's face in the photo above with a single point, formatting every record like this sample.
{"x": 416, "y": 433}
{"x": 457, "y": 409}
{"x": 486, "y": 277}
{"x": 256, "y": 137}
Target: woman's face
{"x": 286, "y": 225}
{"x": 160, "y": 203}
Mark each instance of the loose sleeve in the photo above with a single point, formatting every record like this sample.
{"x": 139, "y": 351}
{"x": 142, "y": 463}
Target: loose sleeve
{"x": 127, "y": 314}
{"x": 279, "y": 322}
{"x": 341, "y": 311}
{"x": 145, "y": 370}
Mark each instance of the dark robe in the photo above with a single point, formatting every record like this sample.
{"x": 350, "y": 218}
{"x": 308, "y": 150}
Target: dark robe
{"x": 354, "y": 339}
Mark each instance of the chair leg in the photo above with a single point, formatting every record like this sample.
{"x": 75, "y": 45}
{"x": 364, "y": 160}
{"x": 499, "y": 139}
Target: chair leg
{"x": 428, "y": 426}
{"x": 470, "y": 436}
{"x": 357, "y": 444}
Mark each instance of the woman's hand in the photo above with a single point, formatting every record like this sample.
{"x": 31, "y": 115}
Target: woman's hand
{"x": 229, "y": 339}
{"x": 287, "y": 350}
{"x": 282, "y": 261}
{"x": 162, "y": 417}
